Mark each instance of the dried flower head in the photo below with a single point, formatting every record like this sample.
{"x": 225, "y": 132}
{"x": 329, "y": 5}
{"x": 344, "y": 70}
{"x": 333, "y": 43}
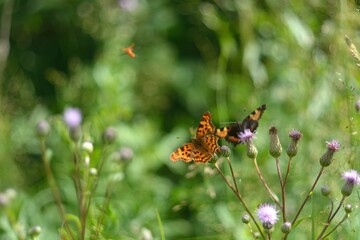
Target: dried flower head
{"x": 246, "y": 136}
{"x": 267, "y": 214}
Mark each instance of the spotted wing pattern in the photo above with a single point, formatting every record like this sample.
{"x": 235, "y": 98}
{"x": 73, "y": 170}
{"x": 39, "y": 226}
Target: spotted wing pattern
{"x": 251, "y": 122}
{"x": 203, "y": 147}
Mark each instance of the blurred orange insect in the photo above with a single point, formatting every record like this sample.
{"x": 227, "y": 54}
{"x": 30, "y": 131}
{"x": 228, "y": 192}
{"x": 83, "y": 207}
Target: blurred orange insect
{"x": 130, "y": 50}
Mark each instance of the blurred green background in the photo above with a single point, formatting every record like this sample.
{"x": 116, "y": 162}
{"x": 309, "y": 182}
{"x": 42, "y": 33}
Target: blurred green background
{"x": 227, "y": 57}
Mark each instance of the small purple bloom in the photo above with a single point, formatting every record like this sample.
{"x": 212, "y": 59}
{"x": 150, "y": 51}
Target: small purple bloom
{"x": 351, "y": 176}
{"x": 295, "y": 135}
{"x": 246, "y": 136}
{"x": 267, "y": 214}
{"x": 333, "y": 145}
{"x": 72, "y": 117}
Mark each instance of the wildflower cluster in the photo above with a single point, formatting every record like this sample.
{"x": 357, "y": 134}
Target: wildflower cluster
{"x": 87, "y": 173}
{"x": 268, "y": 214}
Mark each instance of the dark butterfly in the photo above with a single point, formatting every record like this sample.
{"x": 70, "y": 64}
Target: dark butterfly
{"x": 251, "y": 122}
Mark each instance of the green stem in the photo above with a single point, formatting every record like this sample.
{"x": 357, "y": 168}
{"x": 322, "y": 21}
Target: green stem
{"x": 238, "y": 195}
{"x": 308, "y": 195}
{"x": 272, "y": 195}
{"x": 54, "y": 188}
{"x": 331, "y": 218}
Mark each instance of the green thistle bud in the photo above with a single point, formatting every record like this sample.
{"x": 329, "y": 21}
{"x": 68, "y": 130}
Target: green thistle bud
{"x": 275, "y": 145}
{"x": 42, "y": 128}
{"x": 325, "y": 191}
{"x": 286, "y": 227}
{"x": 293, "y": 146}
{"x": 347, "y": 189}
{"x": 75, "y": 133}
{"x": 245, "y": 218}
{"x": 327, "y": 158}
{"x": 257, "y": 235}
{"x": 109, "y": 135}
{"x": 34, "y": 231}
{"x": 348, "y": 208}
{"x": 352, "y": 178}
{"x": 251, "y": 150}
{"x": 87, "y": 147}
{"x": 225, "y": 151}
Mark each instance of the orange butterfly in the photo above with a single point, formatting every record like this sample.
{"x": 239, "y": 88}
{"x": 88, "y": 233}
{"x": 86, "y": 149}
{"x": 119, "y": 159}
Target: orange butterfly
{"x": 203, "y": 147}
{"x": 251, "y": 122}
{"x": 130, "y": 50}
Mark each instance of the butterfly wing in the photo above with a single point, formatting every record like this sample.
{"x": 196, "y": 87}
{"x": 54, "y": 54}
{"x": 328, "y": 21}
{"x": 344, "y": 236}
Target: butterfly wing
{"x": 203, "y": 147}
{"x": 184, "y": 153}
{"x": 205, "y": 126}
{"x": 251, "y": 122}
{"x": 197, "y": 151}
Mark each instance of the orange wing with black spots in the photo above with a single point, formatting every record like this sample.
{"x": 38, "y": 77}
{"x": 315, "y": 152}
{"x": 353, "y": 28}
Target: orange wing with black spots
{"x": 251, "y": 122}
{"x": 203, "y": 147}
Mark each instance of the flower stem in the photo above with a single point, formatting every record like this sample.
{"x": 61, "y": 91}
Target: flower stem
{"x": 272, "y": 195}
{"x": 308, "y": 195}
{"x": 238, "y": 194}
{"x": 282, "y": 185}
{"x": 54, "y": 188}
{"x": 337, "y": 225}
{"x": 331, "y": 218}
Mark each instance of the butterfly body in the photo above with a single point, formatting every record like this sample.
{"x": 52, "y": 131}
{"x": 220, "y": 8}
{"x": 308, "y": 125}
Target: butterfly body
{"x": 203, "y": 147}
{"x": 130, "y": 50}
{"x": 251, "y": 122}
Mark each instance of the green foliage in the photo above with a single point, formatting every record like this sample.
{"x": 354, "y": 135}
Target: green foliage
{"x": 227, "y": 57}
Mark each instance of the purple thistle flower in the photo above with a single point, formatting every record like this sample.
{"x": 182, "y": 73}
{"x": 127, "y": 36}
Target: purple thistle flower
{"x": 351, "y": 176}
{"x": 246, "y": 136}
{"x": 295, "y": 135}
{"x": 72, "y": 117}
{"x": 267, "y": 214}
{"x": 333, "y": 145}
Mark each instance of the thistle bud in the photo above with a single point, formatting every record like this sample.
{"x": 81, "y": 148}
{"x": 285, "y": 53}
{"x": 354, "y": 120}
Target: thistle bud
{"x": 42, "y": 128}
{"x": 325, "y": 191}
{"x": 275, "y": 145}
{"x": 352, "y": 178}
{"x": 327, "y": 158}
{"x": 348, "y": 208}
{"x": 245, "y": 218}
{"x": 34, "y": 231}
{"x": 251, "y": 150}
{"x": 109, "y": 135}
{"x": 293, "y": 146}
{"x": 87, "y": 147}
{"x": 286, "y": 227}
{"x": 225, "y": 151}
